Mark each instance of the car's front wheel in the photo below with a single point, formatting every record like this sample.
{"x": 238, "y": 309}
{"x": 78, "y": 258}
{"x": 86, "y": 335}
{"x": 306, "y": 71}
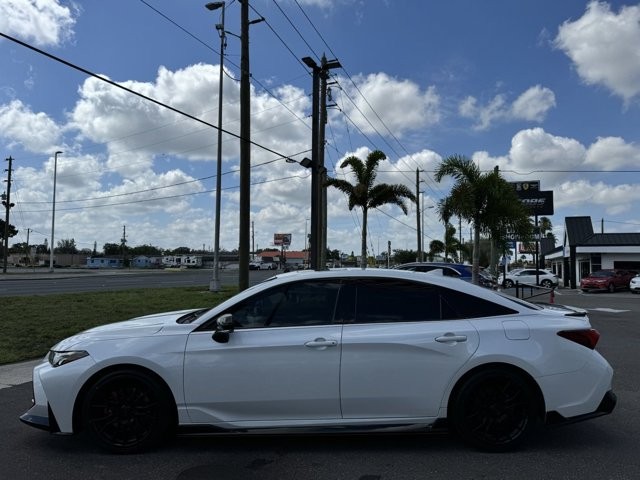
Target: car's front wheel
{"x": 127, "y": 411}
{"x": 494, "y": 410}
{"x": 508, "y": 284}
{"x": 546, "y": 283}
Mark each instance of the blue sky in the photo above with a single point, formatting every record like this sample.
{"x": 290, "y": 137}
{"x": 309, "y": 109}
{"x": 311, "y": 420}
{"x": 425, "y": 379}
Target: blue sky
{"x": 546, "y": 90}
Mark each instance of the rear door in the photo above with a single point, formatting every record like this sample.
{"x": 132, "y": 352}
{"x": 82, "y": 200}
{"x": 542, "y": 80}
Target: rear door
{"x": 400, "y": 349}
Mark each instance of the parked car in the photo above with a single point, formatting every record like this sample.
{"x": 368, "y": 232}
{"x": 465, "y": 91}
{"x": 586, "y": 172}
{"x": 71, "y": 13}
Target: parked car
{"x": 457, "y": 270}
{"x": 634, "y": 284}
{"x": 268, "y": 266}
{"x": 339, "y": 351}
{"x": 608, "y": 280}
{"x": 527, "y": 276}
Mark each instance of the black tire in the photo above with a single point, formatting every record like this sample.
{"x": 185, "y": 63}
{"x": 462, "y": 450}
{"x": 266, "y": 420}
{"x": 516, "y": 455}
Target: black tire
{"x": 508, "y": 284}
{"x": 546, "y": 283}
{"x": 127, "y": 411}
{"x": 494, "y": 410}
{"x": 612, "y": 288}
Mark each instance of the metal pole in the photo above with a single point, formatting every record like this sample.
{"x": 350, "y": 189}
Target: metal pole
{"x": 53, "y": 209}
{"x": 214, "y": 285}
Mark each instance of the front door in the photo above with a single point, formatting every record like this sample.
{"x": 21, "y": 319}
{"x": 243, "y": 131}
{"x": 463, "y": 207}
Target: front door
{"x": 280, "y": 366}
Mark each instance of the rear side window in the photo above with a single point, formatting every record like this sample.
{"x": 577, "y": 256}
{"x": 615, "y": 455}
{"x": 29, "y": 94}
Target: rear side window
{"x": 387, "y": 300}
{"x": 461, "y": 305}
{"x": 382, "y": 301}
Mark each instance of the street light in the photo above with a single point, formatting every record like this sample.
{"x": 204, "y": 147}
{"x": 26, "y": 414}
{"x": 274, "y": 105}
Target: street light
{"x": 214, "y": 286}
{"x": 53, "y": 211}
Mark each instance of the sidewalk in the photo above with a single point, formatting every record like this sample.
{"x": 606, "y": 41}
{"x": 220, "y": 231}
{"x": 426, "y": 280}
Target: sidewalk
{"x": 14, "y": 374}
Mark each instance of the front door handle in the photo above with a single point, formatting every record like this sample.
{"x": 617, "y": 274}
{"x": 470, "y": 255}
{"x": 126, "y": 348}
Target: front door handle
{"x": 451, "y": 338}
{"x": 321, "y": 343}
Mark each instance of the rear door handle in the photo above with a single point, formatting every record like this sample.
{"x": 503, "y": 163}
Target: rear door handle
{"x": 451, "y": 338}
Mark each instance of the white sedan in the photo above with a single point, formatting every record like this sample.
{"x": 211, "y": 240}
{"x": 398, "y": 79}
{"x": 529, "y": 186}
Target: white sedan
{"x": 340, "y": 350}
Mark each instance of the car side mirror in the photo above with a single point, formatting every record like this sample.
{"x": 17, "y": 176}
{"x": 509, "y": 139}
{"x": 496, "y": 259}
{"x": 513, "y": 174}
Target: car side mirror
{"x": 224, "y": 326}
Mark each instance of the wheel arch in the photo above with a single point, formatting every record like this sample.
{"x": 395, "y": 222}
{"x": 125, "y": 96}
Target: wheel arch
{"x": 539, "y": 397}
{"x": 97, "y": 376}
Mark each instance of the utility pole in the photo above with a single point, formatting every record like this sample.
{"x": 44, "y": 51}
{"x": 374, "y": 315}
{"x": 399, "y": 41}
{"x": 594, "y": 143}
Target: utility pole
{"x": 318, "y": 240}
{"x": 6, "y": 201}
{"x": 325, "y": 66}
{"x": 245, "y": 147}
{"x": 418, "y": 229}
{"x": 124, "y": 243}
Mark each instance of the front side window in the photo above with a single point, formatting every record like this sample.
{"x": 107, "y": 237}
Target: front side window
{"x": 294, "y": 304}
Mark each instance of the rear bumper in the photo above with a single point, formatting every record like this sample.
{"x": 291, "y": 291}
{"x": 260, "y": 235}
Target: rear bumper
{"x": 606, "y": 406}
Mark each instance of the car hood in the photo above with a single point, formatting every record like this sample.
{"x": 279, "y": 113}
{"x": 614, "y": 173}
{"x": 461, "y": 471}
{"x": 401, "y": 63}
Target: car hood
{"x": 136, "y": 327}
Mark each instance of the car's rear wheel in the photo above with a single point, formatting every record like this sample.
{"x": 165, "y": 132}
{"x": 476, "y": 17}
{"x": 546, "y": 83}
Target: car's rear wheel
{"x": 494, "y": 410}
{"x": 127, "y": 411}
{"x": 612, "y": 288}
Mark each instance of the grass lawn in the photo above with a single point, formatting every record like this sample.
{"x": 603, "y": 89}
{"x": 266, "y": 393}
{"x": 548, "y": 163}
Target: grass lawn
{"x": 30, "y": 325}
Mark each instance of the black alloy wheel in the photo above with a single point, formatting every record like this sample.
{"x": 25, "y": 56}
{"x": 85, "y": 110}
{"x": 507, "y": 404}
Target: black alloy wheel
{"x": 495, "y": 410}
{"x": 126, "y": 412}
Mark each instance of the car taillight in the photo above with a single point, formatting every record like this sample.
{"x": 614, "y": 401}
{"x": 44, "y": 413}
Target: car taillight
{"x": 587, "y": 338}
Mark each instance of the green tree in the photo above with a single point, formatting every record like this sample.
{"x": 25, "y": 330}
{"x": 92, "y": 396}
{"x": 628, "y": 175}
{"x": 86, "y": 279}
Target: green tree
{"x": 148, "y": 250}
{"x": 67, "y": 245}
{"x": 403, "y": 256}
{"x": 366, "y": 194}
{"x": 112, "y": 249}
{"x": 484, "y": 199}
{"x": 12, "y": 230}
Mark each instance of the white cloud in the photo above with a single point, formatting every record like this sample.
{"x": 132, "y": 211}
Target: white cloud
{"x": 603, "y": 46}
{"x": 43, "y": 22}
{"x": 36, "y": 132}
{"x": 532, "y": 105}
{"x": 400, "y": 104}
{"x": 611, "y": 153}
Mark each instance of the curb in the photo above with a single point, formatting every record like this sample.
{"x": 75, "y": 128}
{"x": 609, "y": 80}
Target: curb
{"x": 13, "y": 374}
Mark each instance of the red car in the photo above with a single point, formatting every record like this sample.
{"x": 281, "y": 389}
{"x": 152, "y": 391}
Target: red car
{"x": 608, "y": 279}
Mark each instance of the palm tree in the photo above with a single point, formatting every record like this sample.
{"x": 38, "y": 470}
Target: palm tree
{"x": 366, "y": 194}
{"x": 484, "y": 199}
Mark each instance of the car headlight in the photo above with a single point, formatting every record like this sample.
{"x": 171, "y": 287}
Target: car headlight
{"x": 57, "y": 359}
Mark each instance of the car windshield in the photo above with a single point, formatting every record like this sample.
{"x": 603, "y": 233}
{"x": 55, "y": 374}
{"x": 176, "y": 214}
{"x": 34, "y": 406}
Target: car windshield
{"x": 602, "y": 273}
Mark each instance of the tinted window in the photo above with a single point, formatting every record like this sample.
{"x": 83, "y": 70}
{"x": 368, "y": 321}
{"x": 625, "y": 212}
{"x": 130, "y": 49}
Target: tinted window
{"x": 294, "y": 304}
{"x": 387, "y": 300}
{"x": 461, "y": 305}
{"x": 378, "y": 301}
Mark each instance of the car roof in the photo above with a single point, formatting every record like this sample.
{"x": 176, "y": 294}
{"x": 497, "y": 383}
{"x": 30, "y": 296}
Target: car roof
{"x": 373, "y": 273}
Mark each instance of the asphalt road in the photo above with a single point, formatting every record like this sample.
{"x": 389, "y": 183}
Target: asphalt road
{"x": 25, "y": 282}
{"x": 603, "y": 448}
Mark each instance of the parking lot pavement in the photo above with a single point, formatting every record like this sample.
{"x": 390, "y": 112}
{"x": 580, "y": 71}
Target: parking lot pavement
{"x": 14, "y": 374}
